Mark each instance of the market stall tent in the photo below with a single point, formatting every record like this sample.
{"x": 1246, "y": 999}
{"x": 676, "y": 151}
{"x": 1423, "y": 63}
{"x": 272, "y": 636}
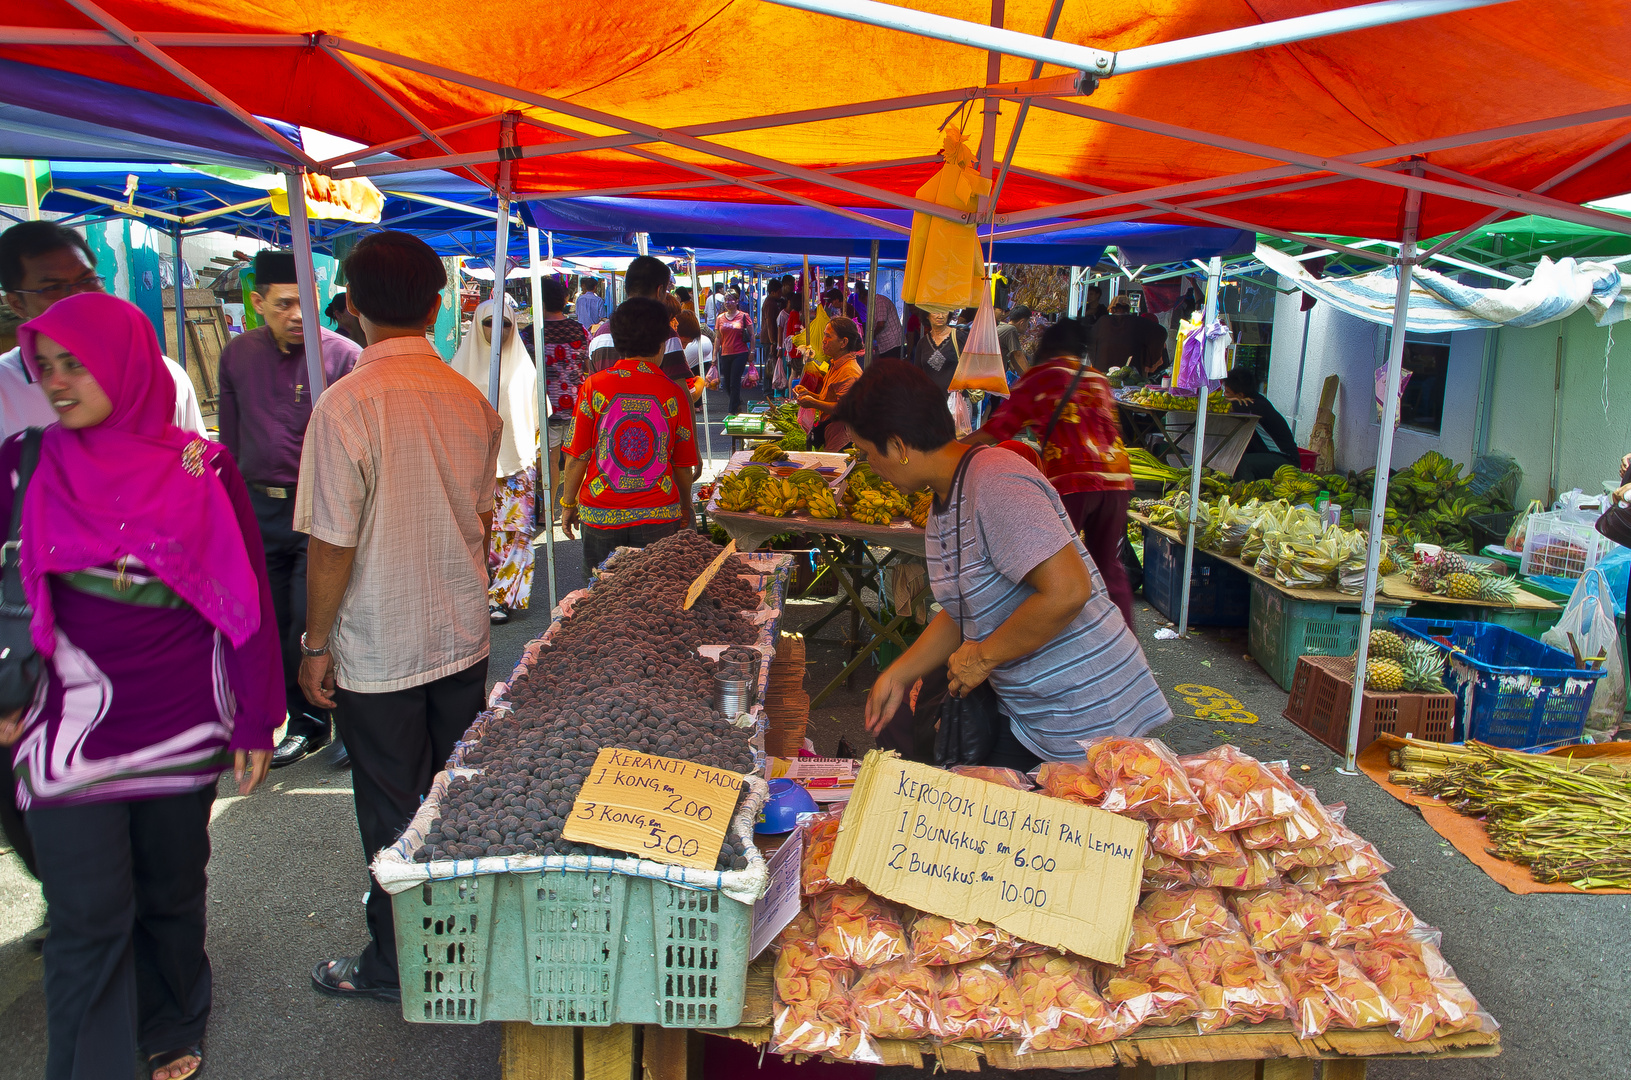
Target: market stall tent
{"x": 1392, "y": 120}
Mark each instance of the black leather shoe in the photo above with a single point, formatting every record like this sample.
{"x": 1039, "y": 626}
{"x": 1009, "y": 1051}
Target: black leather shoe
{"x": 342, "y": 756}
{"x": 291, "y": 750}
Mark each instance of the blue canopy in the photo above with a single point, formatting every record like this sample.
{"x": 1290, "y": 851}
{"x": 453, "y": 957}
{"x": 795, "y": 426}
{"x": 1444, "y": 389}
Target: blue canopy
{"x": 762, "y": 227}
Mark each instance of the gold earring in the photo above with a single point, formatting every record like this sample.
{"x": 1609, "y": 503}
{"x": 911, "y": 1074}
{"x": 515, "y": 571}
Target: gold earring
{"x": 903, "y": 460}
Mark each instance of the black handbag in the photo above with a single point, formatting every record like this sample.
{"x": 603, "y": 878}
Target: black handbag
{"x": 20, "y": 663}
{"x": 968, "y": 725}
{"x": 1615, "y": 522}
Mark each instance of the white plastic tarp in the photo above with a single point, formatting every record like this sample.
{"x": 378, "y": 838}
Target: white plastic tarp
{"x": 1439, "y": 304}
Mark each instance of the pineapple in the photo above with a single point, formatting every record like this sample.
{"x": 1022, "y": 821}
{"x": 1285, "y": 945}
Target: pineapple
{"x": 1426, "y": 578}
{"x": 1423, "y": 667}
{"x": 1386, "y": 645}
{"x": 1451, "y": 563}
{"x": 1384, "y": 676}
{"x": 1461, "y": 586}
{"x": 1497, "y": 589}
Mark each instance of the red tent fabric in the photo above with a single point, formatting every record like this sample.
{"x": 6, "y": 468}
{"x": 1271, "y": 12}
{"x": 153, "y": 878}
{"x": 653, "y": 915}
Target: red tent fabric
{"x": 706, "y": 71}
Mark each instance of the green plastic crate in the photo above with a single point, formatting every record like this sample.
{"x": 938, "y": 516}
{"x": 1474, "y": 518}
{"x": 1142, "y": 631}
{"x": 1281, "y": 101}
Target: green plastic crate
{"x": 567, "y": 948}
{"x": 1283, "y": 629}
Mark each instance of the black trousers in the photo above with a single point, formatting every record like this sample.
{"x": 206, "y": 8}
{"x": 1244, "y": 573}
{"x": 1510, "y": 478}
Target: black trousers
{"x": 731, "y": 369}
{"x": 1260, "y": 466}
{"x": 125, "y": 969}
{"x": 12, "y": 825}
{"x": 286, "y": 569}
{"x": 600, "y": 543}
{"x": 398, "y": 742}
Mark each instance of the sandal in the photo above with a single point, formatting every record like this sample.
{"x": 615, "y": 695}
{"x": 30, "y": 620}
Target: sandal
{"x": 170, "y": 1057}
{"x": 498, "y": 614}
{"x": 340, "y": 978}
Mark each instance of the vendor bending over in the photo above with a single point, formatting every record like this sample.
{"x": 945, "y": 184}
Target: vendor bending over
{"x": 1022, "y": 605}
{"x": 1259, "y": 462}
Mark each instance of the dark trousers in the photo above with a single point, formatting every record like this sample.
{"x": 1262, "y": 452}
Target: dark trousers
{"x": 731, "y": 368}
{"x": 1261, "y": 466}
{"x": 286, "y": 569}
{"x": 125, "y": 968}
{"x": 910, "y": 732}
{"x": 1101, "y": 518}
{"x": 600, "y": 543}
{"x": 398, "y": 741}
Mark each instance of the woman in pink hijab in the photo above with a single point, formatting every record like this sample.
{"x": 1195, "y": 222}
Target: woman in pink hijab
{"x": 142, "y": 562}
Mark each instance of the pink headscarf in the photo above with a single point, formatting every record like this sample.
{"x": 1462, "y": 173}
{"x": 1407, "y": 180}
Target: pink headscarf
{"x": 133, "y": 484}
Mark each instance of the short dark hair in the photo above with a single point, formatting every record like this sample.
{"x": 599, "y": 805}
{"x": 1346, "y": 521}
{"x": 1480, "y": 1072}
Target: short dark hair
{"x": 896, "y": 400}
{"x": 719, "y": 286}
{"x": 552, "y": 294}
{"x": 684, "y": 293}
{"x": 393, "y": 279}
{"x": 850, "y": 333}
{"x": 672, "y": 305}
{"x": 646, "y": 276}
{"x": 336, "y": 304}
{"x": 1096, "y": 288}
{"x": 1241, "y": 380}
{"x": 640, "y": 326}
{"x": 689, "y": 329}
{"x": 1018, "y": 312}
{"x": 30, "y": 240}
{"x": 1067, "y": 337}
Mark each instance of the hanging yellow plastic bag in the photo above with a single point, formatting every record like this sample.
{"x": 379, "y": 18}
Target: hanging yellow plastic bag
{"x": 944, "y": 265}
{"x": 980, "y": 366}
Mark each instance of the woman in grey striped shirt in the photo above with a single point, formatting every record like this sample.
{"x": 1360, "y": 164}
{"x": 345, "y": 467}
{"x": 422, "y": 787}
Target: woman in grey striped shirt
{"x": 1022, "y": 604}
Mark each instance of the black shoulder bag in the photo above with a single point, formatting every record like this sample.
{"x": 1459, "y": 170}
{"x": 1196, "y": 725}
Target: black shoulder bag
{"x": 1615, "y": 522}
{"x": 20, "y": 662}
{"x": 968, "y": 725}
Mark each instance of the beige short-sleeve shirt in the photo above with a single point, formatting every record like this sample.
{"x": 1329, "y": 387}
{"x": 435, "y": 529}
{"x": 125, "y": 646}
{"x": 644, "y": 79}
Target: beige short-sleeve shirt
{"x": 398, "y": 463}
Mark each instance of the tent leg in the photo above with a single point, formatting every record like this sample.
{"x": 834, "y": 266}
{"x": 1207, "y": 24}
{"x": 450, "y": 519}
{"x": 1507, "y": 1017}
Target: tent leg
{"x": 707, "y": 425}
{"x": 1384, "y": 458}
{"x": 1214, "y": 274}
{"x": 871, "y": 299}
{"x": 181, "y": 304}
{"x": 501, "y": 268}
{"x": 306, "y": 276}
{"x": 1302, "y": 366}
{"x": 544, "y": 493}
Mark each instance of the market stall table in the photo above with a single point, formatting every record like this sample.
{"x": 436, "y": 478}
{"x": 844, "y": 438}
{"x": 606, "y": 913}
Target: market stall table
{"x": 1228, "y": 434}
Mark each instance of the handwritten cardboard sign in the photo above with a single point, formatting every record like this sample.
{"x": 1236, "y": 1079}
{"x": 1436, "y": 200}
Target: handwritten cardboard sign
{"x": 1047, "y": 870}
{"x": 658, "y": 808}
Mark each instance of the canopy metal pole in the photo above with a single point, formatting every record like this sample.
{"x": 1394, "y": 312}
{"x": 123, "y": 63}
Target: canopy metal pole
{"x": 871, "y": 299}
{"x": 1214, "y": 273}
{"x": 1302, "y": 367}
{"x": 32, "y": 193}
{"x": 181, "y": 303}
{"x": 501, "y": 268}
{"x": 1384, "y": 459}
{"x": 544, "y": 493}
{"x": 707, "y": 425}
{"x": 306, "y": 279}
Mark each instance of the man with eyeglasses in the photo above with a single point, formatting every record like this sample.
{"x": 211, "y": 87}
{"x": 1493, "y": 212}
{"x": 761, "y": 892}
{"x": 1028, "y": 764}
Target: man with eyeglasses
{"x": 266, "y": 402}
{"x": 42, "y": 262}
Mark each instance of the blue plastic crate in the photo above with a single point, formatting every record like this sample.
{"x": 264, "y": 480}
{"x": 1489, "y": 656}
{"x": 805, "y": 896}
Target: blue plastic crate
{"x": 1219, "y": 594}
{"x": 1511, "y": 690}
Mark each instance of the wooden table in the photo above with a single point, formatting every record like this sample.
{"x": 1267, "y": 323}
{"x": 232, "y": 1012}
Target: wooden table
{"x": 1227, "y": 434}
{"x": 1267, "y": 1051}
{"x": 1393, "y": 587}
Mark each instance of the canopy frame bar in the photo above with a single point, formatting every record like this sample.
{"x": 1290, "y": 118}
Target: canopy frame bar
{"x": 128, "y": 37}
{"x": 687, "y": 185}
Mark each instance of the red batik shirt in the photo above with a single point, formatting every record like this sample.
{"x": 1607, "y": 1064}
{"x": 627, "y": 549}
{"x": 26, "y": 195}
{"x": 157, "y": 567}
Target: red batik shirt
{"x": 1085, "y": 452}
{"x": 633, "y": 425}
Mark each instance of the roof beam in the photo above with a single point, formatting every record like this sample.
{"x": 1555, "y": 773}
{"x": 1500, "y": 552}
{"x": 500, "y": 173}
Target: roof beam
{"x": 1103, "y": 64}
{"x": 688, "y": 185}
{"x": 153, "y": 53}
{"x": 328, "y": 164}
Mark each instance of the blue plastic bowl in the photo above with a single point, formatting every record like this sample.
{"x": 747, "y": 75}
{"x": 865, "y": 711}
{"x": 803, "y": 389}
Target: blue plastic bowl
{"x": 781, "y": 811}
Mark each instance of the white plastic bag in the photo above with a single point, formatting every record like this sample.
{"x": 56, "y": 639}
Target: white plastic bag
{"x": 961, "y": 414}
{"x": 980, "y": 365}
{"x": 1589, "y": 619}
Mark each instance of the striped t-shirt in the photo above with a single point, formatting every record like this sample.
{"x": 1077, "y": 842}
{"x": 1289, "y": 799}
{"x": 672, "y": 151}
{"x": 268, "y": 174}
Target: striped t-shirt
{"x": 1092, "y": 679}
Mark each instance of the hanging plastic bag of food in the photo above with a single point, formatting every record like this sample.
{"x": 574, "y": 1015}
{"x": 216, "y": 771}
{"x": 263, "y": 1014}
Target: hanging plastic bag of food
{"x": 1520, "y": 526}
{"x": 980, "y": 366}
{"x": 945, "y": 268}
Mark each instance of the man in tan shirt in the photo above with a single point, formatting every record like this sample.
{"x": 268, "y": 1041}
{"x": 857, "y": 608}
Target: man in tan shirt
{"x": 396, "y": 491}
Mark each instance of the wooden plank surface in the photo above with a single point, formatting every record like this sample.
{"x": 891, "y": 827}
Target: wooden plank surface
{"x": 610, "y": 1053}
{"x": 749, "y": 530}
{"x": 539, "y": 1053}
{"x": 1392, "y": 587}
{"x": 671, "y": 1054}
{"x": 1344, "y": 1070}
{"x": 1288, "y": 1069}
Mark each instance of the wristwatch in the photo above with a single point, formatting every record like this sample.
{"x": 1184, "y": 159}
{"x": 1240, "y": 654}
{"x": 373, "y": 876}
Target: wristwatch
{"x": 307, "y": 650}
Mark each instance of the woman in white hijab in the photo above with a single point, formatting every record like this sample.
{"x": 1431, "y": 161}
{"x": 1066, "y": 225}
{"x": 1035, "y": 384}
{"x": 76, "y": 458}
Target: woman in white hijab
{"x": 510, "y": 554}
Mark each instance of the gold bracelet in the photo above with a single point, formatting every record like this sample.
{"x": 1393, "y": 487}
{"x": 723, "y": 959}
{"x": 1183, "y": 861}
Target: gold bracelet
{"x": 568, "y": 505}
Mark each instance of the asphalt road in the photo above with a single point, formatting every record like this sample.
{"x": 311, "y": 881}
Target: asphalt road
{"x": 287, "y": 881}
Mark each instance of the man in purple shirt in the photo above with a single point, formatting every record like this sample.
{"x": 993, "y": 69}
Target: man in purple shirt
{"x": 265, "y": 405}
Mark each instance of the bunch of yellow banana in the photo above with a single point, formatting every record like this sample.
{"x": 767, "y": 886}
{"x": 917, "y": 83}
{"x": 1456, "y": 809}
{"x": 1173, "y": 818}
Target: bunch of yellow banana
{"x": 776, "y": 498}
{"x": 736, "y": 491}
{"x": 872, "y": 507}
{"x": 768, "y": 451}
{"x": 919, "y": 509}
{"x": 820, "y": 503}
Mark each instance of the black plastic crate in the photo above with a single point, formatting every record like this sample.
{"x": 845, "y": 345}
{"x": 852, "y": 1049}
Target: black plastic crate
{"x": 1219, "y": 594}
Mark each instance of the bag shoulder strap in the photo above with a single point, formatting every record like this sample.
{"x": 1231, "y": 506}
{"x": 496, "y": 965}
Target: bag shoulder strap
{"x": 11, "y": 578}
{"x": 956, "y": 501}
{"x": 1059, "y": 409}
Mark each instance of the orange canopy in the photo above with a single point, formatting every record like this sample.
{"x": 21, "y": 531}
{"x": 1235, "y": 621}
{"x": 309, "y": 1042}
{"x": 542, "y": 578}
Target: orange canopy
{"x": 671, "y": 98}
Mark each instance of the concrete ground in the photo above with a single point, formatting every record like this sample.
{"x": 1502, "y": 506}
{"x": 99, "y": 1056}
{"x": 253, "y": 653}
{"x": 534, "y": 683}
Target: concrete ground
{"x": 287, "y": 881}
